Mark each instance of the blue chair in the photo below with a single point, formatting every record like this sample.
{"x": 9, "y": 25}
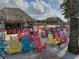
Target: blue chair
{"x": 46, "y": 32}
{"x": 26, "y": 44}
{"x": 2, "y": 48}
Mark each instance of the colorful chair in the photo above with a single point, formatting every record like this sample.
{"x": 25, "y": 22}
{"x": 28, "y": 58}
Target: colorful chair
{"x": 37, "y": 44}
{"x": 56, "y": 36}
{"x": 14, "y": 31}
{"x": 3, "y": 53}
{"x": 46, "y": 32}
{"x": 31, "y": 38}
{"x": 62, "y": 37}
{"x": 26, "y": 45}
{"x": 52, "y": 29}
{"x": 9, "y": 31}
{"x": 19, "y": 34}
{"x": 14, "y": 46}
{"x": 51, "y": 40}
{"x": 43, "y": 35}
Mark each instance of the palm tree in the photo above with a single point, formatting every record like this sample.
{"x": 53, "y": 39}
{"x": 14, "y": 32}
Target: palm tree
{"x": 65, "y": 8}
{"x": 71, "y": 9}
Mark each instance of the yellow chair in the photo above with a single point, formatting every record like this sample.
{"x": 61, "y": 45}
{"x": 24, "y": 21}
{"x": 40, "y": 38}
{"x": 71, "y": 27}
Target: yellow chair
{"x": 14, "y": 46}
{"x": 51, "y": 39}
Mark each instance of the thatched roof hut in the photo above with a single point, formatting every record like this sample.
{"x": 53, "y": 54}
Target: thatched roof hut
{"x": 13, "y": 15}
{"x": 54, "y": 20}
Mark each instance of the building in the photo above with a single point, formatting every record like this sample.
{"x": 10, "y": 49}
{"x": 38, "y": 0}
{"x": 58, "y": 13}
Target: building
{"x": 15, "y": 16}
{"x": 55, "y": 21}
{"x": 51, "y": 21}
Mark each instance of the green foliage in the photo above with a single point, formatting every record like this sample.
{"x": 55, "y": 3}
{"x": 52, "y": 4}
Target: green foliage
{"x": 66, "y": 8}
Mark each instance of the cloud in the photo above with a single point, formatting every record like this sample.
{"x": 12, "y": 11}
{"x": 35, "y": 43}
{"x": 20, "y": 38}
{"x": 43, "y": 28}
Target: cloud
{"x": 40, "y": 10}
{"x": 38, "y": 6}
{"x": 3, "y": 3}
{"x": 37, "y": 9}
{"x": 13, "y": 3}
{"x": 60, "y": 1}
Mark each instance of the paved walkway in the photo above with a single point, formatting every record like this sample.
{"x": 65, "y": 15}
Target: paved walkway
{"x": 50, "y": 53}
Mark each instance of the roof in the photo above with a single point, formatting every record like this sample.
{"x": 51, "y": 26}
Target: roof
{"x": 16, "y": 14}
{"x": 54, "y": 20}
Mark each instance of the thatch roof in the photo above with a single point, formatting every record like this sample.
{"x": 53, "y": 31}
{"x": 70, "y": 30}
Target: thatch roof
{"x": 15, "y": 15}
{"x": 55, "y": 20}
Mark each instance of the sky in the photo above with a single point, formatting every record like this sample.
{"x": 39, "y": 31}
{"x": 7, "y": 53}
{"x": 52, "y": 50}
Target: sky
{"x": 38, "y": 9}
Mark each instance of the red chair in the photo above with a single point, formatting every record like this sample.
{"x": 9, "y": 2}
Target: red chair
{"x": 43, "y": 35}
{"x": 9, "y": 31}
{"x": 19, "y": 34}
{"x": 52, "y": 29}
{"x": 37, "y": 44}
{"x": 56, "y": 35}
{"x": 14, "y": 31}
{"x": 31, "y": 38}
{"x": 63, "y": 38}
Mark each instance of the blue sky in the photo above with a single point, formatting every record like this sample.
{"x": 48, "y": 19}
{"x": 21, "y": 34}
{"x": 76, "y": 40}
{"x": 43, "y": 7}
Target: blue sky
{"x": 54, "y": 3}
{"x": 38, "y": 9}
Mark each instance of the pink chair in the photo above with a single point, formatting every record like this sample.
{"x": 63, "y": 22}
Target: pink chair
{"x": 37, "y": 44}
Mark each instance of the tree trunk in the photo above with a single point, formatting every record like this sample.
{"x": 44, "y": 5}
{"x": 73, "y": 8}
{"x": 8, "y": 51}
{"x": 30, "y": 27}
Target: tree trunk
{"x": 73, "y": 42}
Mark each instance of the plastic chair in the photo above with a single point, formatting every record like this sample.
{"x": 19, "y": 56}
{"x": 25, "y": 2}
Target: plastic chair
{"x": 14, "y": 31}
{"x": 26, "y": 44}
{"x": 52, "y": 29}
{"x": 19, "y": 34}
{"x": 56, "y": 35}
{"x": 31, "y": 38}
{"x": 63, "y": 38}
{"x": 14, "y": 46}
{"x": 9, "y": 31}
{"x": 46, "y": 32}
{"x": 2, "y": 48}
{"x": 43, "y": 35}
{"x": 51, "y": 40}
{"x": 37, "y": 44}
